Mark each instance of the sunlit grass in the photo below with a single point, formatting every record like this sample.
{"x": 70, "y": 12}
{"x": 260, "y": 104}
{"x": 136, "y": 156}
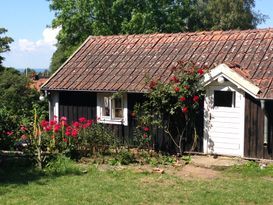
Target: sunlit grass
{"x": 234, "y": 186}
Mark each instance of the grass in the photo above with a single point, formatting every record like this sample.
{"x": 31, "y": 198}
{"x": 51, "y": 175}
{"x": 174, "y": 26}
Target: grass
{"x": 246, "y": 184}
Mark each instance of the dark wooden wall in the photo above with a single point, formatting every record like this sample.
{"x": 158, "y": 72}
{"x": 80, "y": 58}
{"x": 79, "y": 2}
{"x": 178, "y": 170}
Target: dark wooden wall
{"x": 74, "y": 105}
{"x": 254, "y": 129}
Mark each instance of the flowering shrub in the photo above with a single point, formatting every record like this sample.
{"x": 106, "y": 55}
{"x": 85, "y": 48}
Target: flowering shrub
{"x": 173, "y": 104}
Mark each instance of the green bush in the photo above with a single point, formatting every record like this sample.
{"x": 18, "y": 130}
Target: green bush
{"x": 62, "y": 165}
{"x": 123, "y": 158}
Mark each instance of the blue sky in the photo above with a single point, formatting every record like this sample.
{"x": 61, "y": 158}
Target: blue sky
{"x": 27, "y": 21}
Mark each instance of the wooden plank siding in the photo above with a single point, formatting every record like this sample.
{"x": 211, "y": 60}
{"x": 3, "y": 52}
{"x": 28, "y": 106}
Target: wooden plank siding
{"x": 83, "y": 104}
{"x": 254, "y": 129}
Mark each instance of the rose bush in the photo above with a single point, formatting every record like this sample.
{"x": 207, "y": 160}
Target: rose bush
{"x": 173, "y": 104}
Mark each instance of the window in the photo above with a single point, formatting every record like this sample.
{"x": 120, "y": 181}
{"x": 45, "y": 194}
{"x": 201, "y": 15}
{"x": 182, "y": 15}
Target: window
{"x": 112, "y": 110}
{"x": 224, "y": 98}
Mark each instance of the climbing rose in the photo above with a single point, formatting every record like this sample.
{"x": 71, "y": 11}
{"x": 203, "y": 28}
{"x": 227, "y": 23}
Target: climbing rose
{"x": 184, "y": 109}
{"x": 174, "y": 79}
{"x": 82, "y": 119}
{"x": 195, "y": 98}
{"x": 152, "y": 84}
{"x": 200, "y": 71}
{"x": 176, "y": 89}
{"x": 146, "y": 129}
{"x": 182, "y": 99}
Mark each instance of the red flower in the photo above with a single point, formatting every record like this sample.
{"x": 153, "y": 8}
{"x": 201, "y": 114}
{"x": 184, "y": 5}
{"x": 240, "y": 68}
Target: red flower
{"x": 76, "y": 124}
{"x": 195, "y": 98}
{"x": 174, "y": 79}
{"x": 186, "y": 87}
{"x": 47, "y": 128}
{"x": 182, "y": 99}
{"x": 184, "y": 109}
{"x": 52, "y": 122}
{"x": 74, "y": 133}
{"x": 200, "y": 71}
{"x": 153, "y": 84}
{"x": 146, "y": 129}
{"x": 67, "y": 133}
{"x": 82, "y": 119}
{"x": 144, "y": 136}
{"x": 176, "y": 89}
{"x": 44, "y": 123}
{"x": 65, "y": 140}
{"x": 56, "y": 128}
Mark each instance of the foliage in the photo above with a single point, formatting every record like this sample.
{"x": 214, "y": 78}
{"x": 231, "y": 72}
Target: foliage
{"x": 123, "y": 157}
{"x": 4, "y": 45}
{"x": 81, "y": 18}
{"x": 61, "y": 165}
{"x": 174, "y": 104}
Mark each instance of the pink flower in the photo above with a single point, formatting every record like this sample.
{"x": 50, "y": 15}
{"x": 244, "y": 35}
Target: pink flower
{"x": 63, "y": 118}
{"x": 65, "y": 140}
{"x": 144, "y": 136}
{"x": 67, "y": 133}
{"x": 182, "y": 99}
{"x": 23, "y": 137}
{"x": 184, "y": 109}
{"x": 47, "y": 128}
{"x": 200, "y": 71}
{"x": 195, "y": 98}
{"x": 82, "y": 119}
{"x": 146, "y": 129}
{"x": 23, "y": 128}
{"x": 9, "y": 133}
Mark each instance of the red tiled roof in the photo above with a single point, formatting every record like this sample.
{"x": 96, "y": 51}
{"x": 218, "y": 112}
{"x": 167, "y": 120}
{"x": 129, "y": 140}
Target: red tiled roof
{"x": 115, "y": 63}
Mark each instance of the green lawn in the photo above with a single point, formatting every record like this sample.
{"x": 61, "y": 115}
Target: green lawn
{"x": 236, "y": 186}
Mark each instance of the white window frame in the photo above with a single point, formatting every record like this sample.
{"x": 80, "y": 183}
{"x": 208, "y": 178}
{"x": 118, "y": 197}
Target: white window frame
{"x": 110, "y": 119}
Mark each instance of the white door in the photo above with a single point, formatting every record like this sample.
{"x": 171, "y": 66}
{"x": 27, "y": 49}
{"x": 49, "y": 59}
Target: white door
{"x": 224, "y": 120}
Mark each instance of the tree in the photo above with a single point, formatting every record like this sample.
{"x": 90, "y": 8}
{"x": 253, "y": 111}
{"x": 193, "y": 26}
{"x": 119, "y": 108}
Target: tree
{"x": 81, "y": 18}
{"x": 4, "y": 44}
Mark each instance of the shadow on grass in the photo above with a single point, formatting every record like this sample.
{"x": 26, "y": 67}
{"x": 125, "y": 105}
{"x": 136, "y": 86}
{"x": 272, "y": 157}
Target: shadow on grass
{"x": 23, "y": 171}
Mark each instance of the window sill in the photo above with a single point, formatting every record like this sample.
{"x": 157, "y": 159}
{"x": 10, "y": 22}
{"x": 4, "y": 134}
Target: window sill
{"x": 112, "y": 121}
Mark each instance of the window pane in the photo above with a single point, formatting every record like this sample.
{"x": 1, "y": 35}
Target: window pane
{"x": 106, "y": 106}
{"x": 118, "y": 113}
{"x": 117, "y": 103}
{"x": 223, "y": 98}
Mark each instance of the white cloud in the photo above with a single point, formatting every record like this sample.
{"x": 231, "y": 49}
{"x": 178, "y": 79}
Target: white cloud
{"x": 49, "y": 40}
{"x": 26, "y": 53}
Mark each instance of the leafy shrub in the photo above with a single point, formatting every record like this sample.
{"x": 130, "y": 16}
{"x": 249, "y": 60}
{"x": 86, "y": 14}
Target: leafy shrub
{"x": 62, "y": 165}
{"x": 123, "y": 158}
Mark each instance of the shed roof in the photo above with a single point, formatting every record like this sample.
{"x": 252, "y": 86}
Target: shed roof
{"x": 123, "y": 62}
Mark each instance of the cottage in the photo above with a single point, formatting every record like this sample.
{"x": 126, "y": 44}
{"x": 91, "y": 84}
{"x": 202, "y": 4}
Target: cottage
{"x": 238, "y": 106}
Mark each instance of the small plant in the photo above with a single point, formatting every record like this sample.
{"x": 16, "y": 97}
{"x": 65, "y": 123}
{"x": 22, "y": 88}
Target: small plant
{"x": 123, "y": 158}
{"x": 62, "y": 165}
